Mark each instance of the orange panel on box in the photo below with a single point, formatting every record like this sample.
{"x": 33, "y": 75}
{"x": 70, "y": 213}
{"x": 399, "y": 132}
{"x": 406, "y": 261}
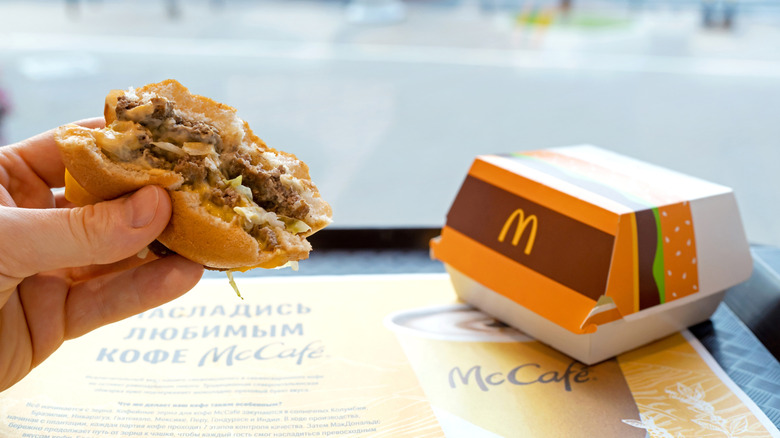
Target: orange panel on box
{"x": 599, "y": 318}
{"x": 584, "y": 211}
{"x": 549, "y": 299}
{"x": 681, "y": 276}
{"x": 622, "y": 274}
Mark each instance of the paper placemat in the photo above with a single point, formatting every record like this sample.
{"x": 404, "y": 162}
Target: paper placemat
{"x": 378, "y": 356}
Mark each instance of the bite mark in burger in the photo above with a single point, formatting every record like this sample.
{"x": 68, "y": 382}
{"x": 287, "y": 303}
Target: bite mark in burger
{"x": 237, "y": 203}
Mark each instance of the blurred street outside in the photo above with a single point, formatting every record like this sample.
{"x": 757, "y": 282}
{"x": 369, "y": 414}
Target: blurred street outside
{"x": 390, "y": 115}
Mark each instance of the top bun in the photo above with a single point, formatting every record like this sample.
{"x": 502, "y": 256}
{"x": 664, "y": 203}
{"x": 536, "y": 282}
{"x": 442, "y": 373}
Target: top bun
{"x": 237, "y": 204}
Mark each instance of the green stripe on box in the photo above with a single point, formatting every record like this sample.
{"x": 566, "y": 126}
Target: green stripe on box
{"x": 658, "y": 263}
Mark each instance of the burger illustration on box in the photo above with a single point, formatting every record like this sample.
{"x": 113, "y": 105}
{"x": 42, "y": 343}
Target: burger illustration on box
{"x": 589, "y": 251}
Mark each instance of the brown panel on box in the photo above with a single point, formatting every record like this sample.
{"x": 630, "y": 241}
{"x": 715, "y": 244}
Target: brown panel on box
{"x": 555, "y": 245}
{"x": 647, "y": 245}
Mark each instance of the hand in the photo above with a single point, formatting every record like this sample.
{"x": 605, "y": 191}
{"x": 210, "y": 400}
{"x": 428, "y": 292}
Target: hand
{"x": 67, "y": 270}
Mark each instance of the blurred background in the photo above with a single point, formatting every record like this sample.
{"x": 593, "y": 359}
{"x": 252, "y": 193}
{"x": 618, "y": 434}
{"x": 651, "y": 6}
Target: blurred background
{"x": 388, "y": 101}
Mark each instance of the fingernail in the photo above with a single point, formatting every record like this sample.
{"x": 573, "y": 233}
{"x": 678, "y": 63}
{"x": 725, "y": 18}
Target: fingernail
{"x": 143, "y": 206}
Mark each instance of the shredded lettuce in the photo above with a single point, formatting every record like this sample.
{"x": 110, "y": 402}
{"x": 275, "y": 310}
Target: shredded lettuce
{"x": 292, "y": 264}
{"x": 232, "y": 282}
{"x": 170, "y": 147}
{"x": 256, "y": 215}
{"x": 242, "y": 189}
{"x": 143, "y": 253}
{"x": 295, "y": 226}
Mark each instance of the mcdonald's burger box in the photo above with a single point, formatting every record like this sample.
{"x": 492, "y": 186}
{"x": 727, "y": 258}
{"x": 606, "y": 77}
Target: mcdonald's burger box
{"x": 591, "y": 252}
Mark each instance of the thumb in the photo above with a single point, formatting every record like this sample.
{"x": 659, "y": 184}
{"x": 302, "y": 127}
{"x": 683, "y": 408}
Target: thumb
{"x": 39, "y": 240}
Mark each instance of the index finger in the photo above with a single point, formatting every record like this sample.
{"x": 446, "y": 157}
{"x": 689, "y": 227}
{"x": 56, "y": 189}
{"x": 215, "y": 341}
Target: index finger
{"x": 42, "y": 156}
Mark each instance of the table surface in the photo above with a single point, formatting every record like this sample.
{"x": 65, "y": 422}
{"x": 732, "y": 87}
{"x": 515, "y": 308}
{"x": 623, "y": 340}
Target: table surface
{"x": 742, "y": 335}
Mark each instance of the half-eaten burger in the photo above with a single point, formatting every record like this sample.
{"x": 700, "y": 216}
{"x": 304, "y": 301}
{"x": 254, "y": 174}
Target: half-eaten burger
{"x": 237, "y": 203}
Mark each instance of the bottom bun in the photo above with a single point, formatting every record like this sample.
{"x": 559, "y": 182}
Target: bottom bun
{"x": 221, "y": 245}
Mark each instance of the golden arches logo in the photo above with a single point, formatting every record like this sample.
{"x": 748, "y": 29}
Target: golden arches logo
{"x": 522, "y": 224}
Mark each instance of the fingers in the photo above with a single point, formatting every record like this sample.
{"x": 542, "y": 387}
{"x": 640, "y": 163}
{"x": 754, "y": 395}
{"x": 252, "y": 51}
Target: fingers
{"x": 39, "y": 240}
{"x": 104, "y": 300}
{"x": 92, "y": 123}
{"x": 84, "y": 273}
{"x": 41, "y": 154}
{"x": 61, "y": 202}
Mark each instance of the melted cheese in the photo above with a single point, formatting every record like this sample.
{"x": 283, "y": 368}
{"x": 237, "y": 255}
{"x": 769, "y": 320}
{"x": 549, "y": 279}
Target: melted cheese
{"x": 120, "y": 140}
{"x": 140, "y": 112}
{"x": 221, "y": 211}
